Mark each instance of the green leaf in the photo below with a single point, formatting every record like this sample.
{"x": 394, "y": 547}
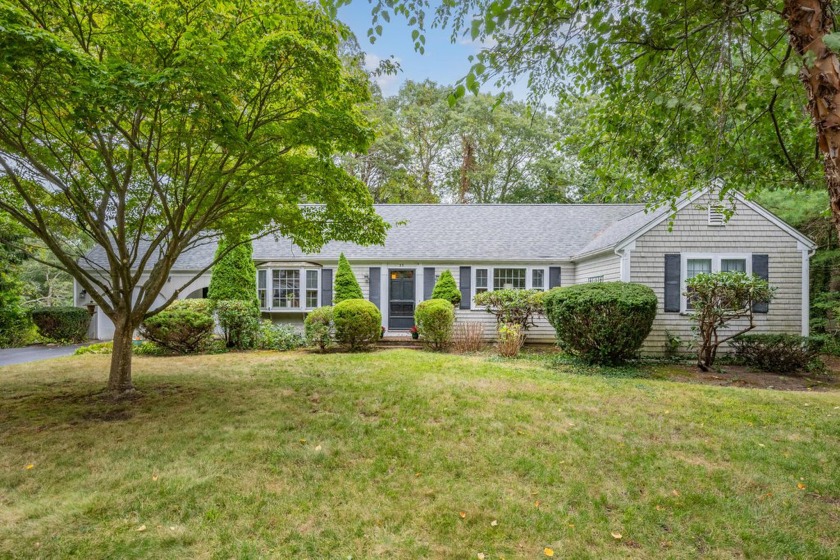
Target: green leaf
{"x": 832, "y": 41}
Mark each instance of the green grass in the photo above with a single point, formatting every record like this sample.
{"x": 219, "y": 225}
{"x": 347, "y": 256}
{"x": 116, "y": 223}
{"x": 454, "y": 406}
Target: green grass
{"x": 376, "y": 455}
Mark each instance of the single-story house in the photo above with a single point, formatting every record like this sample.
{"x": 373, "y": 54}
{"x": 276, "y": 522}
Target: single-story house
{"x": 539, "y": 246}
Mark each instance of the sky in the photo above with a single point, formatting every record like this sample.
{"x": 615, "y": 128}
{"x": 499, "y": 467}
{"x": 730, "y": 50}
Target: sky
{"x": 443, "y": 61}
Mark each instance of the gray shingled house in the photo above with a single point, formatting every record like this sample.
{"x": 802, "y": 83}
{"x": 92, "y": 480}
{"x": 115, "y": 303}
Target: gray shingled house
{"x": 539, "y": 246}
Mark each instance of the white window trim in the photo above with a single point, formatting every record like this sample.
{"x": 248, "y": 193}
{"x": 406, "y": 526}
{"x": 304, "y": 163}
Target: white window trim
{"x": 716, "y": 258}
{"x": 529, "y": 279}
{"x": 301, "y": 289}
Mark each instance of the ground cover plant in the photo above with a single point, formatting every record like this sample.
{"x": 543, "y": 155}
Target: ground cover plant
{"x": 405, "y": 454}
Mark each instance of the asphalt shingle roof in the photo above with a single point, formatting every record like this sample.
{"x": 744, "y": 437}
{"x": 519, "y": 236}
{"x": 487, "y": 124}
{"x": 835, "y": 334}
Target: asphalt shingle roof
{"x": 463, "y": 232}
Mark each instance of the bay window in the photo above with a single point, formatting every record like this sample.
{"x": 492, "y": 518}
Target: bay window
{"x": 288, "y": 289}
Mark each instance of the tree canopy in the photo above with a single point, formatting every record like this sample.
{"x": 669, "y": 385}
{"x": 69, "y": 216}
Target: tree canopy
{"x": 680, "y": 93}
{"x": 152, "y": 126}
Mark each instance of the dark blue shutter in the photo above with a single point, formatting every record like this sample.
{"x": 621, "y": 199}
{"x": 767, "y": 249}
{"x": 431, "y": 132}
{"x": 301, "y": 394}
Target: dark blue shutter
{"x": 553, "y": 277}
{"x": 326, "y": 286}
{"x": 673, "y": 283}
{"x": 761, "y": 268}
{"x": 428, "y": 282}
{"x": 374, "y": 280}
{"x": 465, "y": 283}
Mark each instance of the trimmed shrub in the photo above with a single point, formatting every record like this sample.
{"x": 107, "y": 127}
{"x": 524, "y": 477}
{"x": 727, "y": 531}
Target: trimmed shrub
{"x": 279, "y": 336}
{"x": 179, "y": 329}
{"x": 601, "y": 323}
{"x": 199, "y": 305}
{"x": 240, "y": 323}
{"x": 434, "y": 319}
{"x": 62, "y": 324}
{"x": 358, "y": 323}
{"x": 346, "y": 285}
{"x": 318, "y": 327}
{"x": 777, "y": 353}
{"x": 234, "y": 277}
{"x": 511, "y": 340}
{"x": 446, "y": 288}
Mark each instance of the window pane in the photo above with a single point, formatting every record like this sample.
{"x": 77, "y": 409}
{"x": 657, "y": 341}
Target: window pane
{"x": 509, "y": 279}
{"x": 287, "y": 288}
{"x": 537, "y": 279}
{"x": 733, "y": 265}
{"x": 311, "y": 288}
{"x": 698, "y": 266}
{"x": 480, "y": 280}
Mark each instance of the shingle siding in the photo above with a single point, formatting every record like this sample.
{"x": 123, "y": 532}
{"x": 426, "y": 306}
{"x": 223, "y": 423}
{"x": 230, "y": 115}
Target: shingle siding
{"x": 606, "y": 267}
{"x": 746, "y": 232}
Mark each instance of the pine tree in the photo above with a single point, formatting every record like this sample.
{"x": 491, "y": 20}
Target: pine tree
{"x": 447, "y": 289}
{"x": 346, "y": 285}
{"x": 234, "y": 277}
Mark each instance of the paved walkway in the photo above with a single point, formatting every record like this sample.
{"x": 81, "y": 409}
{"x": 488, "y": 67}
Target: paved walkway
{"x": 9, "y": 356}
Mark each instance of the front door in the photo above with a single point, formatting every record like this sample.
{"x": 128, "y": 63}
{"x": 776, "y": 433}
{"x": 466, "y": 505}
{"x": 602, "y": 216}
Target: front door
{"x": 400, "y": 299}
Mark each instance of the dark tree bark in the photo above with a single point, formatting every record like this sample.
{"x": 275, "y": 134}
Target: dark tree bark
{"x": 119, "y": 379}
{"x": 809, "y": 21}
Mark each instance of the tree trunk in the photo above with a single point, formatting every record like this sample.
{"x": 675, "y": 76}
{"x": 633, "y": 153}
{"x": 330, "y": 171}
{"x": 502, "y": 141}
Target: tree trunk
{"x": 119, "y": 380}
{"x": 808, "y": 22}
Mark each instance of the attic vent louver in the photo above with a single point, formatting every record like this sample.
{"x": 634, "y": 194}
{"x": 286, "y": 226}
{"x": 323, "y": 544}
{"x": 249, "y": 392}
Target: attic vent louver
{"x": 717, "y": 216}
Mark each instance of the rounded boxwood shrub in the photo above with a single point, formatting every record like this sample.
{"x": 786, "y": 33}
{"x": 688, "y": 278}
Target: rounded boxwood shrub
{"x": 318, "y": 327}
{"x": 64, "y": 324}
{"x": 358, "y": 323}
{"x": 434, "y": 319}
{"x": 240, "y": 323}
{"x": 199, "y": 305}
{"x": 601, "y": 323}
{"x": 446, "y": 288}
{"x": 179, "y": 329}
{"x": 346, "y": 285}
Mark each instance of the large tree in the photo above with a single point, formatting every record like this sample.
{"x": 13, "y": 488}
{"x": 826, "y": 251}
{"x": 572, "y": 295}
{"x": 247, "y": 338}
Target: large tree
{"x": 687, "y": 92}
{"x": 152, "y": 126}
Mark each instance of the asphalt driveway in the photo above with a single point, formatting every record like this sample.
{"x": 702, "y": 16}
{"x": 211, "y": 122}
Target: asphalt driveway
{"x": 9, "y": 356}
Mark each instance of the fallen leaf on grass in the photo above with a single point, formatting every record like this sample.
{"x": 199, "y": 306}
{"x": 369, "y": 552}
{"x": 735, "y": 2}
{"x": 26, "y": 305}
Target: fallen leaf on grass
{"x": 29, "y": 467}
{"x": 141, "y": 528}
{"x": 675, "y": 493}
{"x": 317, "y": 448}
{"x": 616, "y": 536}
{"x": 480, "y": 556}
{"x": 494, "y": 523}
{"x": 548, "y": 551}
{"x": 800, "y": 486}
{"x": 463, "y": 514}
{"x": 154, "y": 477}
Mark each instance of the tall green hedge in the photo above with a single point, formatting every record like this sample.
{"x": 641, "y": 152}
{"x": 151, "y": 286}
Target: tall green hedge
{"x": 446, "y": 288}
{"x": 346, "y": 285}
{"x": 63, "y": 324}
{"x": 602, "y": 323}
{"x": 234, "y": 277}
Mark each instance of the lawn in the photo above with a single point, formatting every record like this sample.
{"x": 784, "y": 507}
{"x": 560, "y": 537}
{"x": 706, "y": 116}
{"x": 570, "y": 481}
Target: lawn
{"x": 405, "y": 454}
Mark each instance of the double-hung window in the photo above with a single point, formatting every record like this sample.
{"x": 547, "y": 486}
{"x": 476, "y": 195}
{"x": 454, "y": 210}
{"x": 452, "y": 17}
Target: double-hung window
{"x": 694, "y": 264}
{"x": 312, "y": 289}
{"x": 286, "y": 288}
{"x": 262, "y": 291}
{"x": 538, "y": 279}
{"x": 480, "y": 280}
